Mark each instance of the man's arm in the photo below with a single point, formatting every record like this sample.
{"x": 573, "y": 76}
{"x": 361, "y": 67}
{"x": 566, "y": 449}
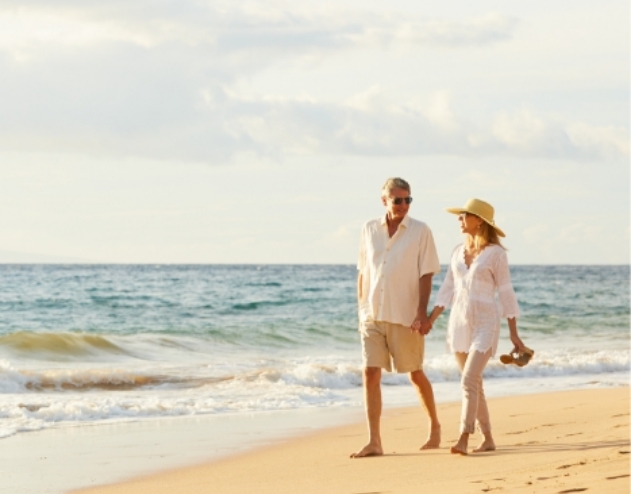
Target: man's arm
{"x": 421, "y": 323}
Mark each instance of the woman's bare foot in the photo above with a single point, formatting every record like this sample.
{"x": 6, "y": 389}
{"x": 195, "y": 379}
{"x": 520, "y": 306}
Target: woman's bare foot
{"x": 487, "y": 445}
{"x": 460, "y": 448}
{"x": 369, "y": 450}
{"x": 433, "y": 441}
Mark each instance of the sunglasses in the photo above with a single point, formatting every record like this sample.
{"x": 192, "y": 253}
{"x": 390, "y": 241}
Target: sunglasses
{"x": 401, "y": 200}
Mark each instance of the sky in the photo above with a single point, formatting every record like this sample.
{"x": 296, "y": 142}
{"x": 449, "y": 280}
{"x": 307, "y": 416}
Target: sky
{"x": 262, "y": 131}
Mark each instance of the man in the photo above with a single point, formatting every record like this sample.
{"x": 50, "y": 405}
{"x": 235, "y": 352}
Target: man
{"x": 396, "y": 263}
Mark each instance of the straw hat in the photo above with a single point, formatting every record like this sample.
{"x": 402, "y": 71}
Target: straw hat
{"x": 480, "y": 208}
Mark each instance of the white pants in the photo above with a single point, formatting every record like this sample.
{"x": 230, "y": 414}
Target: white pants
{"x": 473, "y": 401}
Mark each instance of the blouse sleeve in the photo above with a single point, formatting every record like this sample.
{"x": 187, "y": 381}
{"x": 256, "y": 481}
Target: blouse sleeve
{"x": 445, "y": 295}
{"x": 507, "y": 297}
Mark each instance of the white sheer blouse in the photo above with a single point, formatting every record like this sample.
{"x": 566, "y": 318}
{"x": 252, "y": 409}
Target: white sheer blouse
{"x": 474, "y": 322}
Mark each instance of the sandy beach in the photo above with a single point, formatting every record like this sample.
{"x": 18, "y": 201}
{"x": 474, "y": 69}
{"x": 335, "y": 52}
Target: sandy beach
{"x": 570, "y": 441}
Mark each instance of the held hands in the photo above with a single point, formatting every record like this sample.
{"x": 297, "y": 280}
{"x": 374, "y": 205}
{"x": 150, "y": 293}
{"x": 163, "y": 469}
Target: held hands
{"x": 422, "y": 325}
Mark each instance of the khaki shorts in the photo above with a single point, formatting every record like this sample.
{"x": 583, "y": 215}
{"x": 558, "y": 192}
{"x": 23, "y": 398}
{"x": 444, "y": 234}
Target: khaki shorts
{"x": 385, "y": 344}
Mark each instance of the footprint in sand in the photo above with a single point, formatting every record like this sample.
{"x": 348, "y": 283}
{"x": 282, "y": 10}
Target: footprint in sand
{"x": 572, "y": 465}
{"x": 617, "y": 477}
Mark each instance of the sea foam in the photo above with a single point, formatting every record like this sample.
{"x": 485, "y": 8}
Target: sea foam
{"x": 93, "y": 344}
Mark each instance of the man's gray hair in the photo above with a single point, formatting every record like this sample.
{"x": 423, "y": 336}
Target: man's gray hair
{"x": 394, "y": 183}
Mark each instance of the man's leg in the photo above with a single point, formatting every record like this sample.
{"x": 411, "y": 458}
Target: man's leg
{"x": 372, "y": 398}
{"x": 426, "y": 396}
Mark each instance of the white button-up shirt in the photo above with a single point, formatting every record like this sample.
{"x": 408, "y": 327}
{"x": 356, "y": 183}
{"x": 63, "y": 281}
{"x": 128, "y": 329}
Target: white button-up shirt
{"x": 391, "y": 269}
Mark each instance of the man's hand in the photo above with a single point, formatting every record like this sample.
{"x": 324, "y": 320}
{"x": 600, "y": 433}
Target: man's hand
{"x": 427, "y": 327}
{"x": 421, "y": 324}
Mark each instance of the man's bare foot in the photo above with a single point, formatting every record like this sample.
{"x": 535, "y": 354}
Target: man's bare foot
{"x": 486, "y": 445}
{"x": 433, "y": 441}
{"x": 460, "y": 448}
{"x": 368, "y": 450}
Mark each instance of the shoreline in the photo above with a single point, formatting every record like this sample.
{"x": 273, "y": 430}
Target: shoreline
{"x": 56, "y": 460}
{"x": 548, "y": 442}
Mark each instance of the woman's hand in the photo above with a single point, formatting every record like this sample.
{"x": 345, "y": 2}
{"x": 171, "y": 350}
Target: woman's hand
{"x": 514, "y": 337}
{"x": 518, "y": 344}
{"x": 437, "y": 311}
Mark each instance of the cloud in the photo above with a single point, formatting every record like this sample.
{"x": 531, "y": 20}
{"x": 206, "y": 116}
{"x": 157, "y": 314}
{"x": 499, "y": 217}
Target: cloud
{"x": 234, "y": 26}
{"x": 370, "y": 123}
{"x": 159, "y": 80}
{"x": 607, "y": 141}
{"x": 214, "y": 123}
{"x": 534, "y": 134}
{"x": 488, "y": 29}
{"x": 525, "y": 132}
{"x": 439, "y": 112}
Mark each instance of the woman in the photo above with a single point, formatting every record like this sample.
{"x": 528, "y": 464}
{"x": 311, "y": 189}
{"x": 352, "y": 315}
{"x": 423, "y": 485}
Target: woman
{"x": 478, "y": 268}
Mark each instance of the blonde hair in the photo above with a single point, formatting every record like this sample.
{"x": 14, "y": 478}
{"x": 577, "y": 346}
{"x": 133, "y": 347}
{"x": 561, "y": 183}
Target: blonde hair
{"x": 486, "y": 235}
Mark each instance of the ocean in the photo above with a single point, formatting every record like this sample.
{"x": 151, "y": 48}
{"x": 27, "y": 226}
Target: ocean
{"x": 90, "y": 344}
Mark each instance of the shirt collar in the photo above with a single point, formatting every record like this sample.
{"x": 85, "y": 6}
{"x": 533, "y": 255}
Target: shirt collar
{"x": 404, "y": 222}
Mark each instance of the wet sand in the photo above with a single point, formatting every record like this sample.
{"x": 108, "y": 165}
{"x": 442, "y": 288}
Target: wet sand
{"x": 53, "y": 461}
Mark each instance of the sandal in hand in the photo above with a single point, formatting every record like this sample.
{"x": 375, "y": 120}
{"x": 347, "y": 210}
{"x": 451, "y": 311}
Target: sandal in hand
{"x": 518, "y": 358}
